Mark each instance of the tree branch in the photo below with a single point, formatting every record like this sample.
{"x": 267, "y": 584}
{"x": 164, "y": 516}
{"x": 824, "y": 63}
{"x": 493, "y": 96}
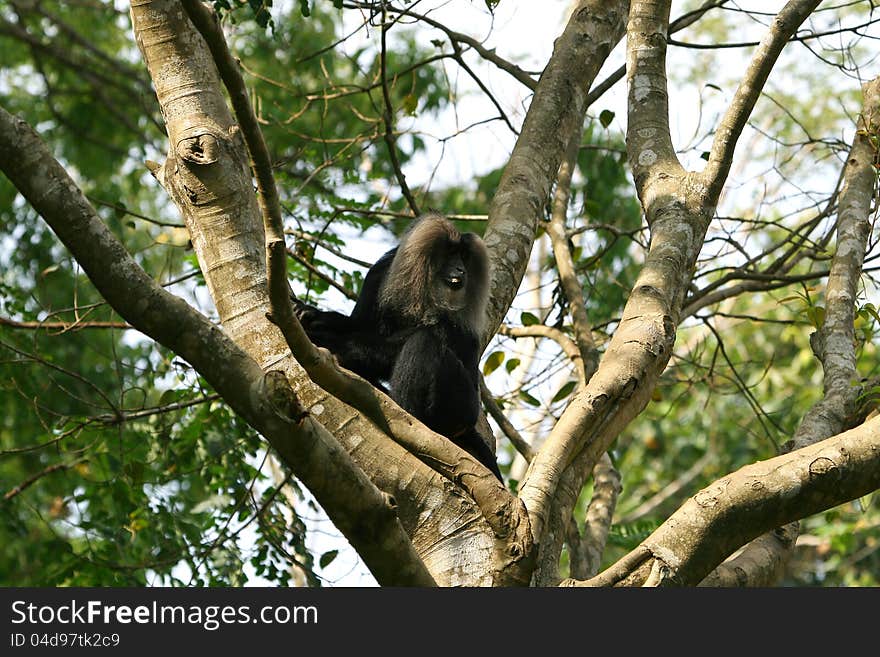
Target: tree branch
{"x": 571, "y": 286}
{"x": 784, "y": 25}
{"x": 648, "y": 140}
{"x": 489, "y": 55}
{"x": 266, "y": 402}
{"x": 764, "y": 558}
{"x": 678, "y": 214}
{"x": 555, "y": 116}
{"x": 749, "y": 502}
{"x": 502, "y": 511}
{"x": 585, "y": 551}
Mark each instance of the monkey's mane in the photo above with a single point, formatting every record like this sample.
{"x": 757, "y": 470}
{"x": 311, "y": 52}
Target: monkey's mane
{"x": 408, "y": 287}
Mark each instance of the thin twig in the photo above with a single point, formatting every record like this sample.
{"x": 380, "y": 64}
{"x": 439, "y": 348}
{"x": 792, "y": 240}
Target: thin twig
{"x": 388, "y": 117}
{"x": 36, "y": 477}
{"x": 515, "y": 437}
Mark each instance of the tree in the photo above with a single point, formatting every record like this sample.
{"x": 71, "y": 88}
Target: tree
{"x": 644, "y": 326}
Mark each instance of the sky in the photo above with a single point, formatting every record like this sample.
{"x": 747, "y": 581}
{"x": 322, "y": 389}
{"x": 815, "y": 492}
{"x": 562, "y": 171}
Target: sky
{"x": 523, "y": 31}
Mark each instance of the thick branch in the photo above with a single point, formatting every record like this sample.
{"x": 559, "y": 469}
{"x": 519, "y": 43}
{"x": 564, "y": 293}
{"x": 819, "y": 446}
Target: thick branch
{"x": 648, "y": 140}
{"x": 678, "y": 213}
{"x": 679, "y": 23}
{"x": 206, "y": 174}
{"x": 784, "y": 25}
{"x": 634, "y": 359}
{"x": 759, "y": 563}
{"x": 834, "y": 342}
{"x": 555, "y": 116}
{"x": 570, "y": 482}
{"x": 765, "y": 557}
{"x": 585, "y": 551}
{"x": 499, "y": 508}
{"x": 751, "y": 501}
{"x": 680, "y": 552}
{"x": 266, "y": 402}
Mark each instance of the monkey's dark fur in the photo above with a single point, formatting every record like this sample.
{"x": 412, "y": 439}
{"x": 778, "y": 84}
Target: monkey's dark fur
{"x": 416, "y": 325}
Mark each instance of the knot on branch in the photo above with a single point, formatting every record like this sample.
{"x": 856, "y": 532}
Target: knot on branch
{"x": 276, "y": 391}
{"x": 198, "y": 145}
{"x": 817, "y": 344}
{"x": 824, "y": 466}
{"x": 708, "y": 497}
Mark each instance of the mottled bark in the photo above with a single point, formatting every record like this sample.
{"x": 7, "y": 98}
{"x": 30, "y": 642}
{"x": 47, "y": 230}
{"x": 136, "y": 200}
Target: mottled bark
{"x": 206, "y": 173}
{"x": 762, "y": 562}
{"x": 555, "y": 117}
{"x": 747, "y": 503}
{"x": 585, "y": 550}
{"x": 642, "y": 344}
{"x": 265, "y": 401}
{"x": 678, "y": 207}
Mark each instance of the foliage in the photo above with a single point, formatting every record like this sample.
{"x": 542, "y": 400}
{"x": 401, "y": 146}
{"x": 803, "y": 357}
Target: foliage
{"x": 121, "y": 467}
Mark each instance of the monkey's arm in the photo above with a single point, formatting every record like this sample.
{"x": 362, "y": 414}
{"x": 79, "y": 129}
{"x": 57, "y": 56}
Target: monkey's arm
{"x": 358, "y": 346}
{"x": 358, "y": 340}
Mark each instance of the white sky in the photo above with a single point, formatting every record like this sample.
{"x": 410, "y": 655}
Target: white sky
{"x": 523, "y": 31}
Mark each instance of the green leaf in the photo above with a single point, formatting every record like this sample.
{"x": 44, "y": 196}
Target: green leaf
{"x": 410, "y": 103}
{"x": 704, "y": 155}
{"x": 493, "y": 362}
{"x": 564, "y": 391}
{"x": 304, "y": 8}
{"x": 512, "y": 364}
{"x": 816, "y": 315}
{"x": 606, "y": 117}
{"x": 327, "y": 558}
{"x": 871, "y": 310}
{"x": 528, "y": 399}
{"x": 528, "y": 319}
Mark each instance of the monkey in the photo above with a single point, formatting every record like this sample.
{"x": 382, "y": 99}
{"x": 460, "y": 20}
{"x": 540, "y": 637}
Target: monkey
{"x": 416, "y": 326}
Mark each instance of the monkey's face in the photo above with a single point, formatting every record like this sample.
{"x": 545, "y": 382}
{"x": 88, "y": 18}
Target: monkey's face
{"x": 452, "y": 282}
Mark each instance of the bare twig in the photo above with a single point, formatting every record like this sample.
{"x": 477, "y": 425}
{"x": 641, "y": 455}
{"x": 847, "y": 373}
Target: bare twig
{"x": 521, "y": 444}
{"x": 34, "y": 478}
{"x": 670, "y": 490}
{"x": 749, "y": 90}
{"x": 388, "y": 117}
{"x": 585, "y": 551}
{"x": 571, "y": 286}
